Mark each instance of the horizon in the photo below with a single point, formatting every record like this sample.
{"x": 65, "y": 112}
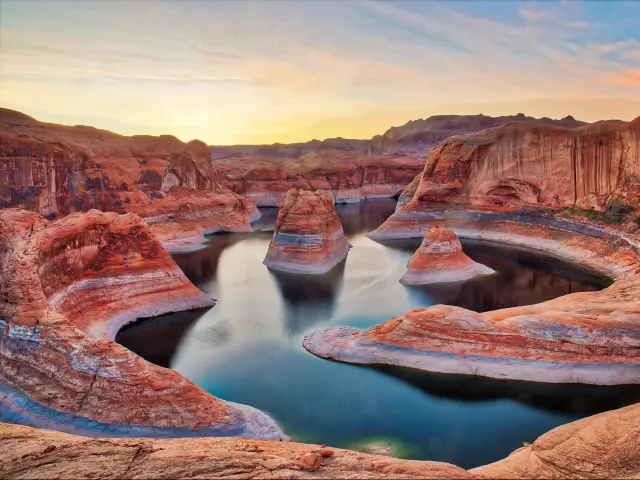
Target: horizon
{"x": 250, "y": 73}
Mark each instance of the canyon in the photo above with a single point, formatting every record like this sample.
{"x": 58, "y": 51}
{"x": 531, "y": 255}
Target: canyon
{"x": 308, "y": 236}
{"x": 86, "y": 252}
{"x": 440, "y": 259}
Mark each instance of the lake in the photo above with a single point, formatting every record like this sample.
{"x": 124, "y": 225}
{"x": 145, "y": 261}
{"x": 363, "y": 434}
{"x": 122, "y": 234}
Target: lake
{"x": 247, "y": 348}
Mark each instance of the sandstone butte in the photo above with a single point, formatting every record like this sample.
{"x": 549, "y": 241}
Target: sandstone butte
{"x": 440, "y": 259}
{"x": 591, "y": 337}
{"x": 308, "y": 236}
{"x": 601, "y": 446}
{"x": 66, "y": 288}
{"x": 55, "y": 170}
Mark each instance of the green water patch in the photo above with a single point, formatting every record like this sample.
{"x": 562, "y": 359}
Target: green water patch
{"x": 387, "y": 446}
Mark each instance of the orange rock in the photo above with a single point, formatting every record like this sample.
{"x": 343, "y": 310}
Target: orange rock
{"x": 66, "y": 287}
{"x": 308, "y": 236}
{"x": 440, "y": 259}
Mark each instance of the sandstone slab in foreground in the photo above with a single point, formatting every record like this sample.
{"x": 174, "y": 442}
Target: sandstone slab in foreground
{"x": 66, "y": 288}
{"x": 308, "y": 236}
{"x": 440, "y": 259}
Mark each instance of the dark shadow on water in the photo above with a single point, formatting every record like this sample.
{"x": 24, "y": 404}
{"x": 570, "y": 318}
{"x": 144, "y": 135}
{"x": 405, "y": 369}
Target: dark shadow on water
{"x": 523, "y": 277}
{"x": 308, "y": 299}
{"x": 156, "y": 339}
{"x": 201, "y": 266}
{"x": 365, "y": 216}
{"x": 577, "y": 399}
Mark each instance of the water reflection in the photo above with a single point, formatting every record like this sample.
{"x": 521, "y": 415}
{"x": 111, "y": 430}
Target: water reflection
{"x": 247, "y": 348}
{"x": 576, "y": 399}
{"x": 308, "y": 299}
{"x": 156, "y": 339}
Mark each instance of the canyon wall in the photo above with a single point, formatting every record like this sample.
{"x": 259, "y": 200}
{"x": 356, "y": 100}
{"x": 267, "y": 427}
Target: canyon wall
{"x": 526, "y": 164}
{"x": 56, "y": 170}
{"x": 66, "y": 287}
{"x": 347, "y": 175}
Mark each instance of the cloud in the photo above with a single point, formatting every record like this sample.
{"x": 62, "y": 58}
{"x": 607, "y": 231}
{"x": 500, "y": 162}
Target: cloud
{"x": 630, "y": 78}
{"x": 532, "y": 14}
{"x": 605, "y": 48}
{"x": 632, "y": 54}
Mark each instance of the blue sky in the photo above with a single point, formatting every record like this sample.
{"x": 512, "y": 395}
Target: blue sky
{"x": 271, "y": 70}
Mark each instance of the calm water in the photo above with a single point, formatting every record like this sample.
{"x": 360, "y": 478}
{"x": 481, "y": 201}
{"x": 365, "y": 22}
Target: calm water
{"x": 248, "y": 348}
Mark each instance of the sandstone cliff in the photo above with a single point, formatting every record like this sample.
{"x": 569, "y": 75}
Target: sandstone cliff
{"x": 308, "y": 236}
{"x": 56, "y": 170}
{"x": 523, "y": 164}
{"x": 66, "y": 287}
{"x": 349, "y": 176}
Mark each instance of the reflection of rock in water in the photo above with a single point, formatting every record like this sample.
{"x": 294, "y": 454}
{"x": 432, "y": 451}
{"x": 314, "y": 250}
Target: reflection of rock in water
{"x": 308, "y": 299}
{"x": 360, "y": 217}
{"x": 156, "y": 339}
{"x": 201, "y": 266}
{"x": 523, "y": 278}
{"x": 579, "y": 399}
{"x": 267, "y": 220}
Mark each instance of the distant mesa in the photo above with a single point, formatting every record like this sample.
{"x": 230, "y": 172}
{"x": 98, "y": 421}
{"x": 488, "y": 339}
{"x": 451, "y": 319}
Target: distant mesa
{"x": 440, "y": 259}
{"x": 308, "y": 236}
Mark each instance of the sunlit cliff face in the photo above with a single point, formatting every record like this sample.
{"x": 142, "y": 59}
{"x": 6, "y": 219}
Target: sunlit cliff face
{"x": 261, "y": 72}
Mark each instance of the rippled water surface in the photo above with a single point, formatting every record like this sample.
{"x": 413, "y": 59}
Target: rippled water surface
{"x": 248, "y": 347}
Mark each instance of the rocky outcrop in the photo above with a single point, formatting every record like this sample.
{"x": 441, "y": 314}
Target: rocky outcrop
{"x": 308, "y": 236}
{"x": 56, "y": 170}
{"x": 602, "y": 446}
{"x": 347, "y": 175}
{"x": 525, "y": 164}
{"x": 588, "y": 337}
{"x": 28, "y": 453}
{"x": 66, "y": 288}
{"x": 440, "y": 259}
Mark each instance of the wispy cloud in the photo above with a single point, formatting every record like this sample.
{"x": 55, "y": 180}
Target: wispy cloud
{"x": 630, "y": 78}
{"x": 533, "y": 14}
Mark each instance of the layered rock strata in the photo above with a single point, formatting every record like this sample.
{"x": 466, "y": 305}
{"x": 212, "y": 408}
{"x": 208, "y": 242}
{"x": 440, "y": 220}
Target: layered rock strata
{"x": 588, "y": 337}
{"x": 66, "y": 288}
{"x": 347, "y": 175}
{"x": 308, "y": 236}
{"x": 601, "y": 446}
{"x": 526, "y": 165}
{"x": 440, "y": 259}
{"x": 56, "y": 170}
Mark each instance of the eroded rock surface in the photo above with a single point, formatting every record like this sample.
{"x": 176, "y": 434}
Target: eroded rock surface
{"x": 308, "y": 236}
{"x": 66, "y": 287}
{"x": 440, "y": 259}
{"x": 56, "y": 170}
{"x": 588, "y": 337}
{"x": 601, "y": 446}
{"x": 349, "y": 176}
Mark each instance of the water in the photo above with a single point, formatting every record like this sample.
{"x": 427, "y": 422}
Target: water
{"x": 248, "y": 348}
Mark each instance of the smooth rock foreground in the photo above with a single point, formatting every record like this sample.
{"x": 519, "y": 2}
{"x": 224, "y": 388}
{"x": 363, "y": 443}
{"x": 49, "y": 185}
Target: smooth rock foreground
{"x": 601, "y": 446}
{"x": 440, "y": 259}
{"x": 66, "y": 288}
{"x": 308, "y": 236}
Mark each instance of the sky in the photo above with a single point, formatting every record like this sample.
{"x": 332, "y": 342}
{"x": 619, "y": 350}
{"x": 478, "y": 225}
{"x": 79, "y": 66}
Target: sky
{"x": 246, "y": 72}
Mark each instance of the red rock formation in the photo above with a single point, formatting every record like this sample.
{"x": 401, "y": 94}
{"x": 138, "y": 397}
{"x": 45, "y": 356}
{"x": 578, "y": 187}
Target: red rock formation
{"x": 601, "y": 446}
{"x": 56, "y": 170}
{"x": 440, "y": 259}
{"x": 66, "y": 288}
{"x": 349, "y": 176}
{"x": 588, "y": 337}
{"x": 520, "y": 164}
{"x": 308, "y": 236}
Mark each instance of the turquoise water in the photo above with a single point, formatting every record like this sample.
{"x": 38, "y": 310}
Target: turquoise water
{"x": 248, "y": 347}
